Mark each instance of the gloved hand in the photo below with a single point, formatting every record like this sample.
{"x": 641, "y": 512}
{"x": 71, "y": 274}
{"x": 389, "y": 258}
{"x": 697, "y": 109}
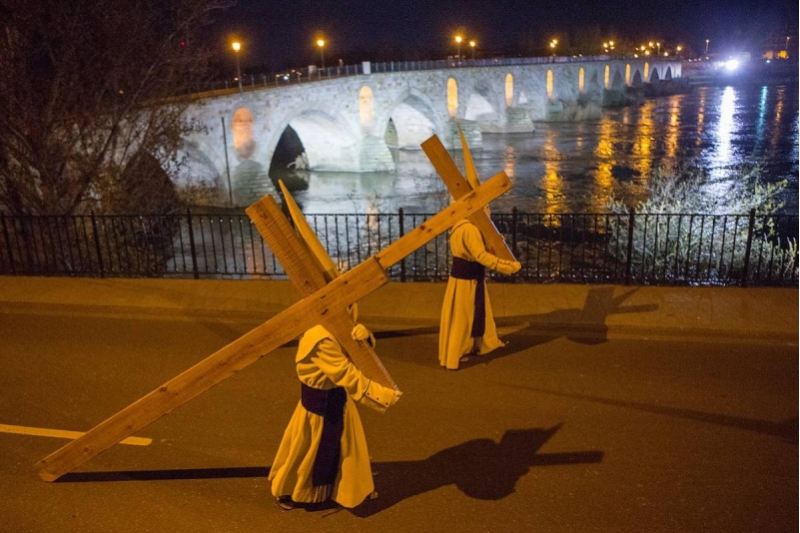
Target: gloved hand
{"x": 360, "y": 333}
{"x": 508, "y": 267}
{"x": 379, "y": 398}
{"x": 397, "y": 394}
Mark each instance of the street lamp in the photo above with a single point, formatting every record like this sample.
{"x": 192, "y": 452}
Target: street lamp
{"x": 787, "y": 44}
{"x": 473, "y": 43}
{"x": 458, "y": 47}
{"x": 321, "y": 44}
{"x": 659, "y": 48}
{"x": 237, "y": 46}
{"x": 553, "y": 44}
{"x": 707, "y": 41}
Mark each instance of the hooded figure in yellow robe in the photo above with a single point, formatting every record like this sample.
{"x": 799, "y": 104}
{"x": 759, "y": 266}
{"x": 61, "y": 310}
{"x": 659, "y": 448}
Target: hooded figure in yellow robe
{"x": 309, "y": 466}
{"x": 461, "y": 332}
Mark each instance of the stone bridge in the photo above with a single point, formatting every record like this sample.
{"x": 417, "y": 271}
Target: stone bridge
{"x": 349, "y": 124}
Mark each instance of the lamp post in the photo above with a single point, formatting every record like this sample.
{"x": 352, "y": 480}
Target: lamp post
{"x": 321, "y": 44}
{"x": 237, "y": 46}
{"x": 553, "y": 44}
{"x": 659, "y": 48}
{"x": 473, "y": 43}
{"x": 787, "y": 45}
{"x": 458, "y": 47}
{"x": 707, "y": 41}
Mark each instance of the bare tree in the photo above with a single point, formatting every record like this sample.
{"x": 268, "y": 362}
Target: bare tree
{"x": 89, "y": 89}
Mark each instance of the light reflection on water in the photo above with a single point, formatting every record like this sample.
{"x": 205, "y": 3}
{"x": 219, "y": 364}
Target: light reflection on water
{"x": 578, "y": 167}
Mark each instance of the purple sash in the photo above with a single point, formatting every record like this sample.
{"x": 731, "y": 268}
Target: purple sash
{"x": 329, "y": 404}
{"x": 463, "y": 269}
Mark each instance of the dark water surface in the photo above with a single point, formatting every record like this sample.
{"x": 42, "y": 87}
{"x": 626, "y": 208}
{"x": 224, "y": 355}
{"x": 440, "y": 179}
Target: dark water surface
{"x": 578, "y": 167}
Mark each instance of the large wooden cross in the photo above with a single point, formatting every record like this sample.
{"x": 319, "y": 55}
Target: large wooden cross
{"x": 325, "y": 299}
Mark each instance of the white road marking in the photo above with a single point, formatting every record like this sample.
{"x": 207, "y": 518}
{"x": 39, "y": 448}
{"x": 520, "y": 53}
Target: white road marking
{"x": 64, "y": 434}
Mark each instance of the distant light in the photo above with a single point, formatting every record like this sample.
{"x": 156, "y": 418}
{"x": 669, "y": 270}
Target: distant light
{"x": 236, "y": 45}
{"x": 732, "y": 64}
{"x": 320, "y": 42}
{"x": 458, "y": 39}
{"x": 768, "y": 61}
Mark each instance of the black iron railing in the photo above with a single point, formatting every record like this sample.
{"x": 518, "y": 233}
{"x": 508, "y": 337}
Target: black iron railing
{"x": 637, "y": 248}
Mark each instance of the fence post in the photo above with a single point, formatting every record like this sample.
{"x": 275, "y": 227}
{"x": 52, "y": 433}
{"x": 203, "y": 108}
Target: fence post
{"x": 514, "y": 217}
{"x": 191, "y": 244}
{"x": 748, "y": 247}
{"x": 97, "y": 246}
{"x": 402, "y": 233}
{"x": 629, "y": 259}
{"x": 8, "y": 242}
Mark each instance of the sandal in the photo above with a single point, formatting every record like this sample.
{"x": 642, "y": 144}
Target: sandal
{"x": 372, "y": 495}
{"x": 285, "y": 502}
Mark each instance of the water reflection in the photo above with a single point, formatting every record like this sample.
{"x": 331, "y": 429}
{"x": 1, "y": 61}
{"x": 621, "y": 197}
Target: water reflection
{"x": 724, "y": 132}
{"x": 552, "y": 183}
{"x": 576, "y": 167}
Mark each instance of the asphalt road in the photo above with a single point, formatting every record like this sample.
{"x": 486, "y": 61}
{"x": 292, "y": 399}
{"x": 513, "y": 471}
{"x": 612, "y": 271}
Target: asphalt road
{"x": 553, "y": 434}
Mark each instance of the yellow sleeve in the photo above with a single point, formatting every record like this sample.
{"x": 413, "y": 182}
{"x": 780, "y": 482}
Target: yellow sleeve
{"x": 339, "y": 369}
{"x": 473, "y": 242}
{"x": 329, "y": 357}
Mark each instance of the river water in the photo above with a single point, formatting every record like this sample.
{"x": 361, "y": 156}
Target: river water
{"x": 578, "y": 167}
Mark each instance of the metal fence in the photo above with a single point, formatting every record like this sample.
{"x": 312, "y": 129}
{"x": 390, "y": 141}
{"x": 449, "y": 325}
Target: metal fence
{"x": 308, "y": 74}
{"x": 637, "y": 248}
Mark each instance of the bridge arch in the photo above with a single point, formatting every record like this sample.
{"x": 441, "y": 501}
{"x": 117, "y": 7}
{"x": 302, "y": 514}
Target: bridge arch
{"x": 654, "y": 74}
{"x": 327, "y": 139}
{"x": 636, "y": 81}
{"x": 617, "y": 83}
{"x": 409, "y": 120}
{"x": 668, "y": 74}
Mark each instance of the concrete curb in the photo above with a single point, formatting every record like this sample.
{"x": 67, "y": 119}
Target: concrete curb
{"x": 763, "y": 315}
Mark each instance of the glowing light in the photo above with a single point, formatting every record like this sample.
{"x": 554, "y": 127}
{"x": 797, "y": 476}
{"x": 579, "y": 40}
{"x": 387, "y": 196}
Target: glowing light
{"x": 732, "y": 64}
{"x": 549, "y": 84}
{"x": 365, "y": 107}
{"x": 509, "y": 89}
{"x": 236, "y": 46}
{"x": 459, "y": 39}
{"x": 320, "y": 42}
{"x": 581, "y": 77}
{"x": 452, "y": 97}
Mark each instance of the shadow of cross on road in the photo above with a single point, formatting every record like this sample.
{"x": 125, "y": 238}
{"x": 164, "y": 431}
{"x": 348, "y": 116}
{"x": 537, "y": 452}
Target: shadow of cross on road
{"x": 480, "y": 468}
{"x": 586, "y": 325}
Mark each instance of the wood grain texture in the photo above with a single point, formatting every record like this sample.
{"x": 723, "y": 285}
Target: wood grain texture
{"x": 331, "y": 299}
{"x": 458, "y": 187}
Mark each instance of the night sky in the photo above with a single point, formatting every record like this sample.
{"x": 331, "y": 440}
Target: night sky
{"x": 278, "y": 34}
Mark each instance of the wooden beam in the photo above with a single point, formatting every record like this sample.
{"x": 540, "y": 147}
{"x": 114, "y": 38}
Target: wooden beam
{"x": 465, "y": 206}
{"x": 215, "y": 368}
{"x": 281, "y": 238}
{"x": 325, "y": 302}
{"x": 309, "y": 276}
{"x": 458, "y": 187}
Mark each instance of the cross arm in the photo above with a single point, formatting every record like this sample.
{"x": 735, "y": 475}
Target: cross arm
{"x": 458, "y": 187}
{"x": 215, "y": 368}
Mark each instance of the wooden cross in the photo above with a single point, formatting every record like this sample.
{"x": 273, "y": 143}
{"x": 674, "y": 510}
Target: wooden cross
{"x": 324, "y": 301}
{"x": 458, "y": 187}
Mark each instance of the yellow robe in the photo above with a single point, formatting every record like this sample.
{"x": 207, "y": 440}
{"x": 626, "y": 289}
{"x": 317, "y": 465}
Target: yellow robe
{"x": 322, "y": 364}
{"x": 458, "y": 309}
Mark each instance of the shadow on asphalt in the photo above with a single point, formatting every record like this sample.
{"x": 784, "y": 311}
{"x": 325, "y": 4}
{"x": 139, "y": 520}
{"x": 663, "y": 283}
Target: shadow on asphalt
{"x": 480, "y": 468}
{"x": 586, "y": 325}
